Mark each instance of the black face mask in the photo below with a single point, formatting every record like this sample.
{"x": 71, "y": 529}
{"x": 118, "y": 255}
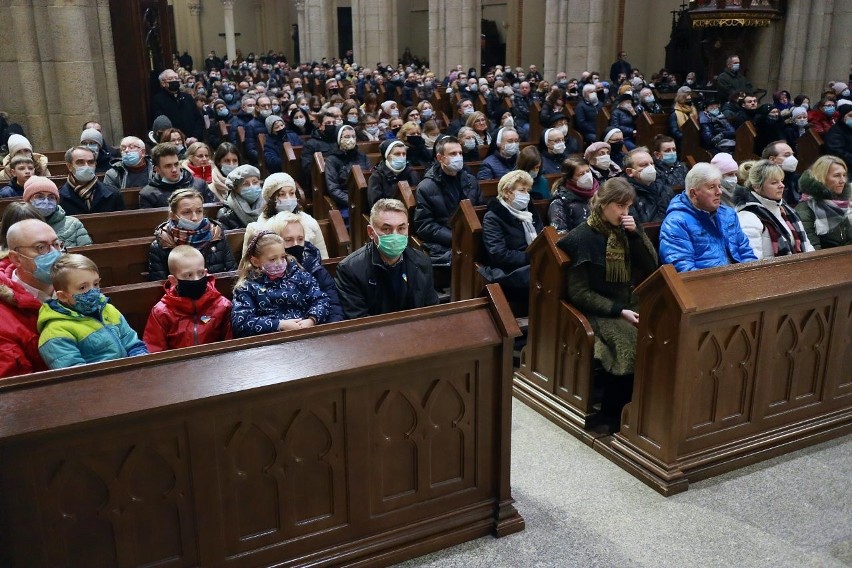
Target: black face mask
{"x": 616, "y": 147}
{"x": 174, "y": 86}
{"x": 416, "y": 141}
{"x": 330, "y": 133}
{"x": 296, "y": 251}
{"x": 192, "y": 289}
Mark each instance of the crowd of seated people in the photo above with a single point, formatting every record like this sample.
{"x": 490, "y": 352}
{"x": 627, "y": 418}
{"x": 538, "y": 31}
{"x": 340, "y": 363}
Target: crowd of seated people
{"x": 219, "y": 137}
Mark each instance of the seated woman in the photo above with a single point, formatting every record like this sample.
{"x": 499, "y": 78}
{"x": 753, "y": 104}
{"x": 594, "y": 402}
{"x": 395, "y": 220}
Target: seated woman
{"x": 298, "y": 126}
{"x": 274, "y": 145}
{"x": 281, "y": 196}
{"x": 553, "y": 151}
{"x": 339, "y": 163}
{"x": 427, "y": 113}
{"x": 824, "y": 209}
{"x": 602, "y": 167}
{"x": 554, "y": 103}
{"x": 411, "y": 135}
{"x": 187, "y": 225}
{"x": 624, "y": 118}
{"x": 467, "y": 139}
{"x": 683, "y": 111}
{"x": 243, "y": 205}
{"x": 177, "y": 138}
{"x": 43, "y": 195}
{"x": 393, "y": 168}
{"x": 197, "y": 162}
{"x": 225, "y": 160}
{"x": 529, "y": 160}
{"x": 411, "y": 114}
{"x": 610, "y": 253}
{"x": 614, "y": 137}
{"x": 368, "y": 128}
{"x": 481, "y": 128}
{"x": 772, "y": 227}
{"x": 571, "y": 204}
{"x": 351, "y": 114}
{"x": 508, "y": 228}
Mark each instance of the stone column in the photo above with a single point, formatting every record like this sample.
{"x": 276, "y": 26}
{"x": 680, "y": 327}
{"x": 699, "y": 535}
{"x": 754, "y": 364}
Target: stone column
{"x": 317, "y": 29}
{"x": 260, "y": 38}
{"x": 574, "y": 37}
{"x": 374, "y": 32}
{"x": 194, "y": 32}
{"x": 455, "y": 28}
{"x": 230, "y": 39}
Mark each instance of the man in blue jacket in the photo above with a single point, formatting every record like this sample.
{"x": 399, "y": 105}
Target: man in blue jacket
{"x": 698, "y": 231}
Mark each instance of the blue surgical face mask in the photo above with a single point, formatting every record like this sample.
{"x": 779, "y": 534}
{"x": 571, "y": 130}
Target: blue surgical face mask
{"x": 44, "y": 263}
{"x": 93, "y": 147}
{"x": 287, "y": 204}
{"x": 188, "y": 225}
{"x": 669, "y": 158}
{"x": 848, "y": 122}
{"x": 131, "y": 158}
{"x": 521, "y": 200}
{"x": 223, "y": 113}
{"x": 44, "y": 205}
{"x": 397, "y": 164}
{"x": 84, "y": 174}
{"x": 735, "y": 67}
{"x": 251, "y": 193}
{"x": 829, "y": 111}
{"x": 88, "y": 303}
{"x": 456, "y": 164}
{"x": 227, "y": 168}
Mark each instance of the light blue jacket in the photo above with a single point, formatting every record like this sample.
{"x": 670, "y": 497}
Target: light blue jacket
{"x": 692, "y": 239}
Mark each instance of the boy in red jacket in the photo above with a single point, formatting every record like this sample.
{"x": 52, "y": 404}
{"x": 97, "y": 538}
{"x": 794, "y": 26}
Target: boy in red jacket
{"x": 192, "y": 311}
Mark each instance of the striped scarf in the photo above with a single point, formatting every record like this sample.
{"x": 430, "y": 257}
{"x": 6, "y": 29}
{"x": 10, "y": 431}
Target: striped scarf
{"x": 84, "y": 190}
{"x": 617, "y": 249}
{"x": 198, "y": 238}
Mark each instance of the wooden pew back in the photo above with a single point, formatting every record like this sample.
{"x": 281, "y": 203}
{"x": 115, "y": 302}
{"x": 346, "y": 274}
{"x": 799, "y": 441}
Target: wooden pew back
{"x": 744, "y": 150}
{"x": 809, "y": 148}
{"x": 691, "y": 143}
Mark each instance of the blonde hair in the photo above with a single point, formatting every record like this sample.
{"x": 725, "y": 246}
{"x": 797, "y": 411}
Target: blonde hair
{"x": 384, "y": 205}
{"x": 179, "y": 194}
{"x": 508, "y": 181}
{"x": 819, "y": 169}
{"x": 181, "y": 254}
{"x": 256, "y": 246}
{"x": 195, "y": 147}
{"x": 756, "y": 172}
{"x": 66, "y": 264}
{"x": 406, "y": 129}
{"x": 277, "y": 223}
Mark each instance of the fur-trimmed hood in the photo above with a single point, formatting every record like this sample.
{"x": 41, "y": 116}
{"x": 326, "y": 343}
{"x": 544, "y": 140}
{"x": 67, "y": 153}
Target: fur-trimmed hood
{"x": 808, "y": 184}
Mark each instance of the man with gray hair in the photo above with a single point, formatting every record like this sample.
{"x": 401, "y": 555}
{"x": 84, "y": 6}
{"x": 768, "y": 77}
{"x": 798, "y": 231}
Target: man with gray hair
{"x": 178, "y": 106}
{"x": 133, "y": 169}
{"x": 698, "y": 231}
{"x": 84, "y": 192}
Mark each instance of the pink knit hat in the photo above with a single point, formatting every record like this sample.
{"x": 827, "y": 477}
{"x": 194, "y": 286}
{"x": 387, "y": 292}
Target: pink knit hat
{"x": 39, "y": 184}
{"x": 725, "y": 162}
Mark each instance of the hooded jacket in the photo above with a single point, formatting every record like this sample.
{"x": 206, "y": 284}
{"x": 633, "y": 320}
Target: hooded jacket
{"x": 692, "y": 239}
{"x": 18, "y": 326}
{"x": 177, "y": 321}
{"x": 158, "y": 190}
{"x": 68, "y": 338}
{"x": 841, "y": 233}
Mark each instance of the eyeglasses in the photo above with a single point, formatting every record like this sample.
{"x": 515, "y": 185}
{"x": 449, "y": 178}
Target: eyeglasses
{"x": 44, "y": 248}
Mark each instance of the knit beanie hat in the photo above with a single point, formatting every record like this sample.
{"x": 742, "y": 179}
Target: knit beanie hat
{"x": 161, "y": 123}
{"x": 843, "y": 108}
{"x": 725, "y": 162}
{"x": 839, "y": 88}
{"x": 271, "y": 120}
{"x": 386, "y": 106}
{"x": 17, "y": 143}
{"x": 799, "y": 111}
{"x": 39, "y": 184}
{"x": 275, "y": 182}
{"x": 92, "y": 134}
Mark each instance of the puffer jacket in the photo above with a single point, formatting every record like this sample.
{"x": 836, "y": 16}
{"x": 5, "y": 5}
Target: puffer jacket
{"x": 68, "y": 338}
{"x": 338, "y": 164}
{"x": 496, "y": 166}
{"x": 12, "y": 190}
{"x": 672, "y": 176}
{"x": 158, "y": 190}
{"x": 438, "y": 197}
{"x": 272, "y": 153}
{"x": 217, "y": 254}
{"x": 383, "y": 182}
{"x": 692, "y": 239}
{"x": 177, "y": 321}
{"x": 261, "y": 304}
{"x": 68, "y": 229}
{"x": 841, "y": 233}
{"x": 586, "y": 120}
{"x": 119, "y": 176}
{"x": 624, "y": 121}
{"x": 18, "y": 326}
{"x": 312, "y": 262}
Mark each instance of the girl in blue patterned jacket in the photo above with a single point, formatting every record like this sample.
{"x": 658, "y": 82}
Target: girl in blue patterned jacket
{"x": 273, "y": 293}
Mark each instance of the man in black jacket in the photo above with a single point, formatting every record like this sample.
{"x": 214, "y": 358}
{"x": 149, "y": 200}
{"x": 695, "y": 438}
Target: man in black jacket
{"x": 443, "y": 187}
{"x": 652, "y": 194}
{"x": 83, "y": 192}
{"x": 179, "y": 107}
{"x": 385, "y": 275}
{"x": 322, "y": 140}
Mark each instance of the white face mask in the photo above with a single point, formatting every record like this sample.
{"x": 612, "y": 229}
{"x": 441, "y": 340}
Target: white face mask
{"x": 603, "y": 162}
{"x": 586, "y": 181}
{"x": 648, "y": 174}
{"x": 729, "y": 182}
{"x": 789, "y": 164}
{"x": 559, "y": 147}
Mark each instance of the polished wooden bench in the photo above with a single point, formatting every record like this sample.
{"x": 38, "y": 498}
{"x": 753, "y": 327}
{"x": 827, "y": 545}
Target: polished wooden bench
{"x": 130, "y": 196}
{"x": 745, "y": 150}
{"x": 217, "y": 456}
{"x": 121, "y": 225}
{"x": 648, "y": 126}
{"x": 691, "y": 142}
{"x": 359, "y": 209}
{"x": 809, "y": 147}
{"x": 738, "y": 364}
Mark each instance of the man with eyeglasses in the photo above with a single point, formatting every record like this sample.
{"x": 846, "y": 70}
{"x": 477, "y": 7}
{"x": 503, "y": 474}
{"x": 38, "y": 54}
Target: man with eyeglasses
{"x": 133, "y": 169}
{"x": 24, "y": 286}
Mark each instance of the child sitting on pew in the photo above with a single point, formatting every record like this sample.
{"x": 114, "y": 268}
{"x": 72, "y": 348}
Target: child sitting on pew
{"x": 273, "y": 293}
{"x": 22, "y": 168}
{"x": 192, "y": 311}
{"x": 79, "y": 326}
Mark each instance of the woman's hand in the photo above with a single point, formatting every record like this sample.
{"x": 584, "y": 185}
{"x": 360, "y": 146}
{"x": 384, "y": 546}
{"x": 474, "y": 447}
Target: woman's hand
{"x": 630, "y": 317}
{"x": 288, "y": 325}
{"x": 305, "y": 323}
{"x": 628, "y": 223}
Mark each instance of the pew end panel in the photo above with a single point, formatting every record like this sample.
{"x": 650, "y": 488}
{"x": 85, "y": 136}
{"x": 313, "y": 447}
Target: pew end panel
{"x": 732, "y": 369}
{"x": 355, "y": 457}
{"x": 468, "y": 252}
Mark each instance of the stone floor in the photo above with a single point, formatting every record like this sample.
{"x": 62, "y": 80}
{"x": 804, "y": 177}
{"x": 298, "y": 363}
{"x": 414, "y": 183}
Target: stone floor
{"x": 582, "y": 510}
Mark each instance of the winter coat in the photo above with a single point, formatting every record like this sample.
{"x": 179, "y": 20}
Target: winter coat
{"x": 504, "y": 237}
{"x": 41, "y": 169}
{"x": 521, "y": 109}
{"x": 567, "y": 210}
{"x": 496, "y": 166}
{"x": 651, "y": 201}
{"x": 815, "y": 192}
{"x": 625, "y": 122}
{"x": 68, "y": 229}
{"x": 552, "y": 163}
{"x": 316, "y": 143}
{"x": 759, "y": 236}
{"x": 692, "y": 239}
{"x": 177, "y": 321}
{"x": 104, "y": 199}
{"x": 678, "y": 118}
{"x": 239, "y": 119}
{"x": 68, "y": 338}
{"x": 158, "y": 190}
{"x": 338, "y": 164}
{"x": 18, "y": 326}
{"x": 217, "y": 254}
{"x": 838, "y": 142}
{"x": 383, "y": 182}
{"x": 120, "y": 176}
{"x": 13, "y": 189}
{"x": 672, "y": 176}
{"x": 819, "y": 121}
{"x": 367, "y": 288}
{"x": 260, "y": 304}
{"x": 181, "y": 109}
{"x": 586, "y": 120}
{"x": 438, "y": 197}
{"x": 311, "y": 261}
{"x": 714, "y": 131}
{"x": 728, "y": 82}
{"x": 254, "y": 128}
{"x": 272, "y": 153}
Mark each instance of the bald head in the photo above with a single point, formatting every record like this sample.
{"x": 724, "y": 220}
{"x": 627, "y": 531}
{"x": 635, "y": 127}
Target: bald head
{"x": 28, "y": 232}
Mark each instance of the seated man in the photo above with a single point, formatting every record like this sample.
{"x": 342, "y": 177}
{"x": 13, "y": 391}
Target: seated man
{"x": 586, "y": 114}
{"x": 652, "y": 195}
{"x": 779, "y": 152}
{"x": 133, "y": 169}
{"x": 443, "y": 187}
{"x": 385, "y": 275}
{"x": 465, "y": 108}
{"x": 84, "y": 192}
{"x": 717, "y": 135}
{"x": 168, "y": 176}
{"x": 698, "y": 231}
{"x": 24, "y": 286}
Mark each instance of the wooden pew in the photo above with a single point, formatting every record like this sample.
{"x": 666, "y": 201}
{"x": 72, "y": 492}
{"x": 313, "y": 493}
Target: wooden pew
{"x": 744, "y": 150}
{"x": 536, "y": 129}
{"x": 603, "y": 119}
{"x": 359, "y": 209}
{"x": 129, "y": 194}
{"x": 54, "y": 155}
{"x": 691, "y": 143}
{"x": 208, "y": 456}
{"x": 120, "y": 225}
{"x": 809, "y": 147}
{"x": 648, "y": 126}
{"x": 737, "y": 364}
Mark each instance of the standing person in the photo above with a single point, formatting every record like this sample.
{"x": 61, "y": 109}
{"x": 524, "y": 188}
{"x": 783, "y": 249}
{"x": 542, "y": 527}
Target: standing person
{"x": 610, "y": 253}
{"x": 620, "y": 66}
{"x": 824, "y": 209}
{"x": 732, "y": 80}
{"x": 179, "y": 107}
{"x": 83, "y": 192}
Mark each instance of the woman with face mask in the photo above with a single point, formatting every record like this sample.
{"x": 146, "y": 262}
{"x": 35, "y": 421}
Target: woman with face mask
{"x": 368, "y": 130}
{"x": 411, "y": 135}
{"x": 624, "y": 118}
{"x": 570, "y": 206}
{"x": 298, "y": 125}
{"x": 339, "y": 163}
{"x": 244, "y": 202}
{"x": 470, "y": 149}
{"x": 797, "y": 127}
{"x": 602, "y": 167}
{"x": 730, "y": 182}
{"x": 510, "y": 225}
{"x": 393, "y": 168}
{"x": 615, "y": 138}
{"x": 823, "y": 117}
{"x": 43, "y": 195}
{"x": 225, "y": 160}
